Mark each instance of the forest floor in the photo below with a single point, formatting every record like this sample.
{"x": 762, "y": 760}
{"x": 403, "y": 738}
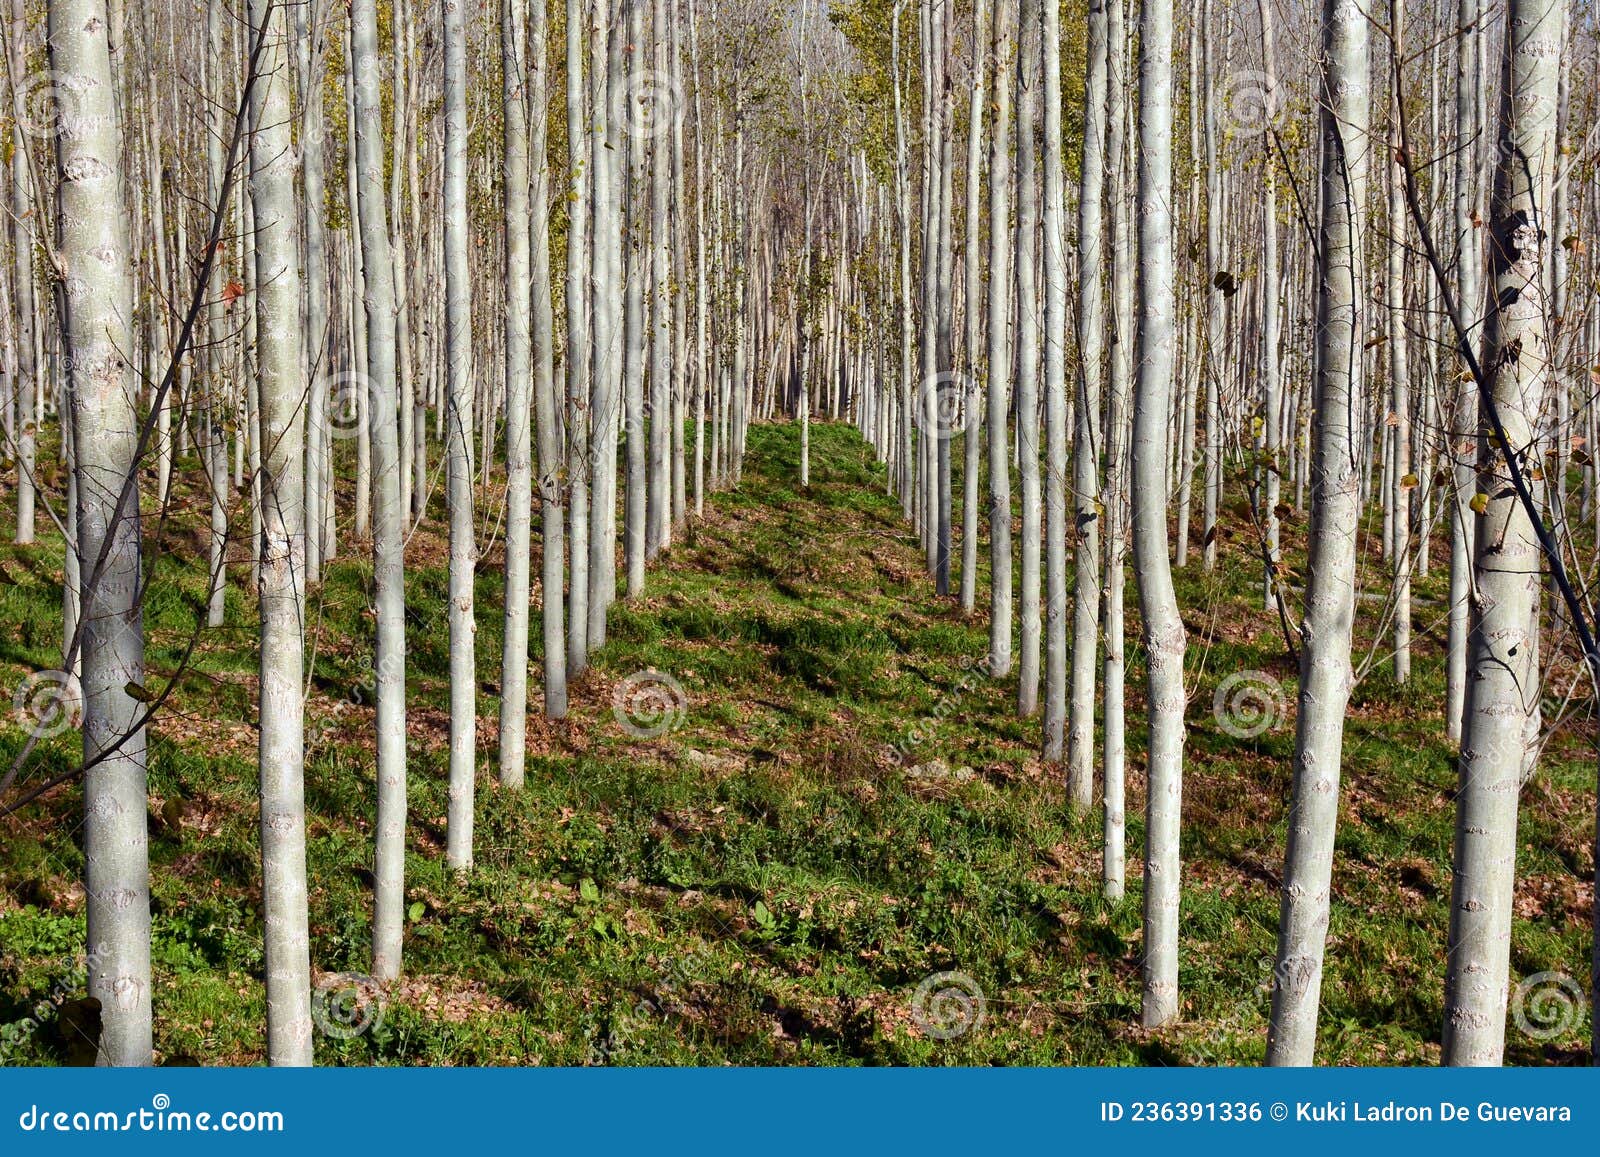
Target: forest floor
{"x": 844, "y": 808}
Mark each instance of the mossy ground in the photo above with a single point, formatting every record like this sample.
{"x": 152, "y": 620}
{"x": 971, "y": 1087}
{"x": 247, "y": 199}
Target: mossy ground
{"x": 763, "y": 883}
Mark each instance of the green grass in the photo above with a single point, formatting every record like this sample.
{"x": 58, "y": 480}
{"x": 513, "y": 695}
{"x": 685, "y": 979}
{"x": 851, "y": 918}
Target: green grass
{"x": 764, "y": 883}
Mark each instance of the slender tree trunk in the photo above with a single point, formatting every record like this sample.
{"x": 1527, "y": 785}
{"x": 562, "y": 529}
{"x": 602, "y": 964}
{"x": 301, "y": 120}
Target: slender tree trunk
{"x": 972, "y": 429}
{"x": 1401, "y": 482}
{"x": 632, "y": 228}
{"x": 1325, "y": 672}
{"x": 216, "y": 447}
{"x": 1086, "y": 440}
{"x": 578, "y": 280}
{"x": 1503, "y": 682}
{"x": 1271, "y": 391}
{"x": 458, "y": 342}
{"x": 1116, "y": 490}
{"x": 519, "y": 387}
{"x": 1216, "y": 302}
{"x": 999, "y": 354}
{"x": 1158, "y": 604}
{"x": 22, "y": 216}
{"x": 909, "y": 399}
{"x": 95, "y": 259}
{"x": 546, "y": 399}
{"x": 281, "y": 373}
{"x": 658, "y": 529}
{"x": 607, "y": 153}
{"x": 1028, "y": 334}
{"x": 702, "y": 303}
{"x": 679, "y": 385}
{"x": 309, "y": 30}
{"x": 1461, "y": 443}
{"x": 388, "y": 921}
{"x": 741, "y": 276}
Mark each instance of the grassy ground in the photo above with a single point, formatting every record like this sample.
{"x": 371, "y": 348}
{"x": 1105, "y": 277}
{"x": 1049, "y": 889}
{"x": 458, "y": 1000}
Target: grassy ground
{"x": 774, "y": 877}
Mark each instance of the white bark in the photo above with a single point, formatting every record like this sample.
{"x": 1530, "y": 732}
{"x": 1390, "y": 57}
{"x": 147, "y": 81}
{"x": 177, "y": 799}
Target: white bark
{"x": 518, "y": 389}
{"x": 999, "y": 353}
{"x": 458, "y": 349}
{"x": 1325, "y": 671}
{"x": 578, "y": 361}
{"x": 971, "y": 441}
{"x": 1461, "y": 444}
{"x": 1086, "y": 437}
{"x": 1158, "y": 604}
{"x": 388, "y": 920}
{"x": 1116, "y": 489}
{"x": 280, "y": 389}
{"x": 546, "y": 398}
{"x": 97, "y": 338}
{"x": 1503, "y": 682}
{"x": 1028, "y": 335}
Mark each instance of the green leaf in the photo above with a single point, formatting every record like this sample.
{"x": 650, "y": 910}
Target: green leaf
{"x": 764, "y": 916}
{"x": 414, "y": 913}
{"x": 588, "y": 891}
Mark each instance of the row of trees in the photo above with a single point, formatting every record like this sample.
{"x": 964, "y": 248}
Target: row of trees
{"x": 312, "y": 263}
{"x": 284, "y": 326}
{"x": 1412, "y": 329}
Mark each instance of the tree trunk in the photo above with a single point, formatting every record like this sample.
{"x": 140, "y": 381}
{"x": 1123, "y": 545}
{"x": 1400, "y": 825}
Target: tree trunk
{"x": 1461, "y": 443}
{"x": 999, "y": 354}
{"x": 388, "y": 920}
{"x": 281, "y": 373}
{"x": 1028, "y": 333}
{"x": 1116, "y": 490}
{"x": 1503, "y": 681}
{"x": 26, "y": 371}
{"x": 458, "y": 343}
{"x": 1086, "y": 440}
{"x": 518, "y": 385}
{"x": 1325, "y": 673}
{"x": 578, "y": 278}
{"x": 96, "y": 330}
{"x": 972, "y": 427}
{"x": 1158, "y": 604}
{"x": 546, "y": 399}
